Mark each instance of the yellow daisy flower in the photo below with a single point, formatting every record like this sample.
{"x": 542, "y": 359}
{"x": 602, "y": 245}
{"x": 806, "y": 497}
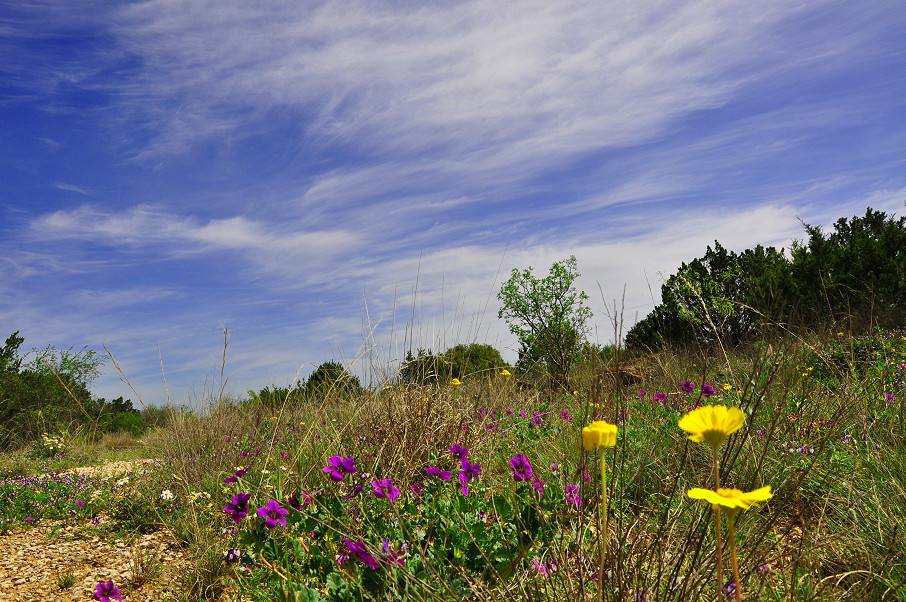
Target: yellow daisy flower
{"x": 599, "y": 434}
{"x": 732, "y": 500}
{"x": 455, "y": 382}
{"x": 712, "y": 424}
{"x": 505, "y": 374}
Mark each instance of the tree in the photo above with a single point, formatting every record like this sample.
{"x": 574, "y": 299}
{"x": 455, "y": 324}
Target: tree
{"x": 331, "y": 378}
{"x": 547, "y": 315}
{"x": 459, "y": 361}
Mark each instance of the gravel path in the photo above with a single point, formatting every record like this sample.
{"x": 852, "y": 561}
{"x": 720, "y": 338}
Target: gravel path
{"x": 33, "y": 560}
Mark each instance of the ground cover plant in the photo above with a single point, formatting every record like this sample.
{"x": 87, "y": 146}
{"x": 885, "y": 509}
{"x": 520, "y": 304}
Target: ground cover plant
{"x": 485, "y": 490}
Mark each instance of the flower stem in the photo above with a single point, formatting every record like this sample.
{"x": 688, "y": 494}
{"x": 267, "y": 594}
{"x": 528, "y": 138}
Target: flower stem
{"x": 604, "y": 532}
{"x": 717, "y": 551}
{"x": 731, "y": 533}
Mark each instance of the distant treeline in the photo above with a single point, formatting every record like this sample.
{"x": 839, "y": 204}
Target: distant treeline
{"x": 49, "y": 394}
{"x": 853, "y": 278}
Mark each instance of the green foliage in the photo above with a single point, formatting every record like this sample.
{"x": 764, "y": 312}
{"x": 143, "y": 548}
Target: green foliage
{"x": 474, "y": 360}
{"x": 423, "y": 368}
{"x": 548, "y": 316}
{"x": 49, "y": 394}
{"x": 859, "y": 270}
{"x": 460, "y": 361}
{"x": 332, "y": 379}
{"x": 275, "y": 398}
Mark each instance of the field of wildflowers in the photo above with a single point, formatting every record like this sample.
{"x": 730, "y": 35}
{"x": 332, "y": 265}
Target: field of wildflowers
{"x": 777, "y": 472}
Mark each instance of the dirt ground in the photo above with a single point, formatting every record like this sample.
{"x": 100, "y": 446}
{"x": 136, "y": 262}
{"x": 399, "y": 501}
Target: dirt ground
{"x": 34, "y": 561}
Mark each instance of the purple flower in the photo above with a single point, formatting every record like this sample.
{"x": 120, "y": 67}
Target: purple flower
{"x": 572, "y": 495}
{"x": 392, "y": 556}
{"x": 542, "y": 568}
{"x": 340, "y": 467}
{"x": 522, "y": 469}
{"x": 105, "y": 592}
{"x": 273, "y": 514}
{"x": 232, "y": 556}
{"x": 294, "y": 503}
{"x": 660, "y": 397}
{"x": 459, "y": 452}
{"x": 538, "y": 484}
{"x": 239, "y": 507}
{"x": 707, "y": 390}
{"x": 417, "y": 488}
{"x": 361, "y": 552}
{"x": 434, "y": 471}
{"x": 80, "y": 503}
{"x": 687, "y": 386}
{"x": 239, "y": 474}
{"x": 384, "y": 488}
{"x": 468, "y": 473}
{"x": 355, "y": 491}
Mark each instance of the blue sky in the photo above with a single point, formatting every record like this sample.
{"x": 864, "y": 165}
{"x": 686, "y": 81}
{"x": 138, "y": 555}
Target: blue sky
{"x": 341, "y": 180}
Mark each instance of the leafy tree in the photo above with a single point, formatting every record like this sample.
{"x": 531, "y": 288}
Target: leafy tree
{"x": 9, "y": 354}
{"x": 331, "y": 378}
{"x": 858, "y": 269}
{"x": 548, "y": 316}
{"x": 856, "y": 273}
{"x": 424, "y": 367}
{"x": 459, "y": 361}
{"x": 48, "y": 394}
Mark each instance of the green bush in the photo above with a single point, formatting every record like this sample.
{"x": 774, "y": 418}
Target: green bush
{"x": 332, "y": 379}
{"x": 460, "y": 361}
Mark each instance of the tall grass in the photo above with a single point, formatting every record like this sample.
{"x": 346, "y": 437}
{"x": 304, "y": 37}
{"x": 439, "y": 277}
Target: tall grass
{"x": 824, "y": 428}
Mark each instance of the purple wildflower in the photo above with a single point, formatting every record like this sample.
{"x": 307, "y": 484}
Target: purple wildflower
{"x": 572, "y": 495}
{"x": 384, "y": 488}
{"x": 239, "y": 474}
{"x": 293, "y": 500}
{"x": 273, "y": 514}
{"x": 417, "y": 488}
{"x": 355, "y": 491}
{"x": 459, "y": 452}
{"x": 708, "y": 390}
{"x": 340, "y": 467}
{"x": 659, "y": 397}
{"x": 105, "y": 592}
{"x": 468, "y": 473}
{"x": 392, "y": 556}
{"x": 361, "y": 552}
{"x": 239, "y": 507}
{"x": 687, "y": 386}
{"x": 232, "y": 556}
{"x": 434, "y": 471}
{"x": 538, "y": 484}
{"x": 522, "y": 469}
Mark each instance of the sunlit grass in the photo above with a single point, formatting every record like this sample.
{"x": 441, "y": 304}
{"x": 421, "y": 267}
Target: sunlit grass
{"x": 508, "y": 505}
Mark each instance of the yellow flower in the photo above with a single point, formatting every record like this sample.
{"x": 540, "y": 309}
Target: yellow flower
{"x": 728, "y": 386}
{"x": 712, "y": 424}
{"x": 731, "y": 500}
{"x": 505, "y": 374}
{"x": 599, "y": 434}
{"x": 839, "y": 334}
{"x": 455, "y": 382}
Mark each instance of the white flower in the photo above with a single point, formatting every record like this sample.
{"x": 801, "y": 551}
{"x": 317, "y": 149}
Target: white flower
{"x": 166, "y": 494}
{"x": 194, "y": 496}
{"x": 265, "y": 471}
{"x": 123, "y": 481}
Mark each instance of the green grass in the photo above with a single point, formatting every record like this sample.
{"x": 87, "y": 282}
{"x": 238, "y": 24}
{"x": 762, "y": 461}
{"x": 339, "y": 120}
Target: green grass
{"x": 824, "y": 428}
